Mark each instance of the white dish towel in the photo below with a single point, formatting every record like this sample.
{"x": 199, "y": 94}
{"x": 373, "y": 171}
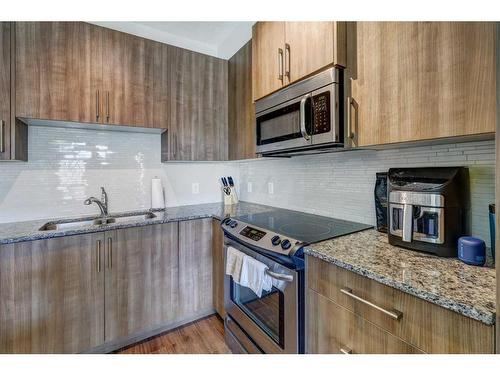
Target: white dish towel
{"x": 234, "y": 263}
{"x": 254, "y": 276}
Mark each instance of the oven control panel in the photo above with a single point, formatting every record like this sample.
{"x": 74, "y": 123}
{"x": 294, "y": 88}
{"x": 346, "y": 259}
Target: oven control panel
{"x": 257, "y": 236}
{"x": 253, "y": 233}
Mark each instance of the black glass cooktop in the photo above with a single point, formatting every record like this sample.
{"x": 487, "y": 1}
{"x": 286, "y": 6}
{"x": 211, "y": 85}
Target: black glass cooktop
{"x": 301, "y": 226}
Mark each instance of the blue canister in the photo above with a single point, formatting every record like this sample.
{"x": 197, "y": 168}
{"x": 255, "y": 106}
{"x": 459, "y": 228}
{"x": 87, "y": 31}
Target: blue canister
{"x": 492, "y": 229}
{"x": 472, "y": 250}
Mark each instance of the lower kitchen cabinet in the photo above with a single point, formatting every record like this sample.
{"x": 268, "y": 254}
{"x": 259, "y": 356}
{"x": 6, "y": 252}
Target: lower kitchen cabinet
{"x": 141, "y": 279}
{"x": 52, "y": 295}
{"x": 218, "y": 267}
{"x": 97, "y": 292}
{"x": 334, "y": 329}
{"x": 337, "y": 320}
{"x": 195, "y": 268}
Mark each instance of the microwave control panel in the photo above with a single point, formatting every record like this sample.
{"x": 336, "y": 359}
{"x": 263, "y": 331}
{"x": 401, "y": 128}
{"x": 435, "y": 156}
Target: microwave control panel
{"x": 321, "y": 113}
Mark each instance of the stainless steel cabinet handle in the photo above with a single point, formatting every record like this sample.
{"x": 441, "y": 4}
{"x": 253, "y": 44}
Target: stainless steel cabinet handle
{"x": 280, "y": 276}
{"x": 345, "y": 350}
{"x": 98, "y": 261}
{"x": 107, "y": 106}
{"x": 350, "y": 133}
{"x": 287, "y": 61}
{"x": 110, "y": 255}
{"x": 302, "y": 112}
{"x": 394, "y": 314}
{"x": 2, "y": 137}
{"x": 280, "y": 64}
{"x": 97, "y": 105}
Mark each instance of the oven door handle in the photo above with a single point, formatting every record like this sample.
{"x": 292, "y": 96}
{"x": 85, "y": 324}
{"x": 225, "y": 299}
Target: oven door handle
{"x": 303, "y": 129}
{"x": 279, "y": 276}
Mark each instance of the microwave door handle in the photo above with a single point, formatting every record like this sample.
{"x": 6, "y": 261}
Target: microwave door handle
{"x": 303, "y": 129}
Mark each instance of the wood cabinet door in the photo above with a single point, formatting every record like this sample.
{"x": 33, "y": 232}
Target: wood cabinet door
{"x": 218, "y": 268}
{"x": 58, "y": 70}
{"x": 5, "y": 80}
{"x": 332, "y": 329}
{"x": 268, "y": 49}
{"x": 422, "y": 80}
{"x": 161, "y": 84}
{"x": 128, "y": 76}
{"x": 198, "y": 106}
{"x": 310, "y": 47}
{"x": 241, "y": 118}
{"x": 141, "y": 279}
{"x": 195, "y": 268}
{"x": 52, "y": 294}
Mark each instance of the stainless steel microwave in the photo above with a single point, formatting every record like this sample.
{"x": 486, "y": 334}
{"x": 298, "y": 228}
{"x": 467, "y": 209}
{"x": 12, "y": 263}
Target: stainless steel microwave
{"x": 301, "y": 118}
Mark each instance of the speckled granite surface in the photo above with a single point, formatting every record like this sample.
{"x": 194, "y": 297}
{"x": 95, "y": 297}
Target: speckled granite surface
{"x": 449, "y": 283}
{"x": 29, "y": 230}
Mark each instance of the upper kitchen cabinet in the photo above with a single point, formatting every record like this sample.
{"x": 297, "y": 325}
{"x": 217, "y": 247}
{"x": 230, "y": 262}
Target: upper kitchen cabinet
{"x": 241, "y": 111}
{"x": 310, "y": 46}
{"x": 268, "y": 46}
{"x": 74, "y": 71}
{"x": 58, "y": 71}
{"x": 285, "y": 52}
{"x": 13, "y": 133}
{"x": 198, "y": 107}
{"x": 128, "y": 79}
{"x": 420, "y": 80}
{"x": 5, "y": 43}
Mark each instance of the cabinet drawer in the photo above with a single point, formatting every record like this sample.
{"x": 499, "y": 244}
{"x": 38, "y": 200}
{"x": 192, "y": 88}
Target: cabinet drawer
{"x": 334, "y": 329}
{"x": 423, "y": 324}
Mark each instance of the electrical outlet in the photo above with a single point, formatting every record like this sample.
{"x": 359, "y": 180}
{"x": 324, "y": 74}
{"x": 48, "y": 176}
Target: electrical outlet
{"x": 270, "y": 188}
{"x": 195, "y": 188}
{"x": 249, "y": 187}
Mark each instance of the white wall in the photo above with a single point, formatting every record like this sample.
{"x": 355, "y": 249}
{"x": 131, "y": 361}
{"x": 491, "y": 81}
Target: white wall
{"x": 68, "y": 165}
{"x": 341, "y": 184}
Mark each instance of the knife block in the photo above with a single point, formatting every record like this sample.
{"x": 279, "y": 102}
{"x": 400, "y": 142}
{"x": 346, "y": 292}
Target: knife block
{"x": 231, "y": 198}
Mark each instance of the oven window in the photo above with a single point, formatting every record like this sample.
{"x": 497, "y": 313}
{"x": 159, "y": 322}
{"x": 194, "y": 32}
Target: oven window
{"x": 280, "y": 125}
{"x": 267, "y": 312}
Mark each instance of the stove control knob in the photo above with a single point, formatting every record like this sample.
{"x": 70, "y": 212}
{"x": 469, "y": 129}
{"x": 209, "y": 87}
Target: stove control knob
{"x": 233, "y": 224}
{"x": 226, "y": 221}
{"x": 276, "y": 240}
{"x": 285, "y": 244}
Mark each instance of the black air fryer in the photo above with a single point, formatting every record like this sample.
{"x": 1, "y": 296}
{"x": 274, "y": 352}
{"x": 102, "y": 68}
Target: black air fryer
{"x": 428, "y": 208}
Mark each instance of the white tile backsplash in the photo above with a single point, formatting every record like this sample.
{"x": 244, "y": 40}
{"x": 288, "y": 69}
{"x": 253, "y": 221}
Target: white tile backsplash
{"x": 68, "y": 165}
{"x": 341, "y": 184}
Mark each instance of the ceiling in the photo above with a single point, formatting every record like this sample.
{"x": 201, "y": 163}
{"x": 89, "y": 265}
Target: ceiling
{"x": 219, "y": 39}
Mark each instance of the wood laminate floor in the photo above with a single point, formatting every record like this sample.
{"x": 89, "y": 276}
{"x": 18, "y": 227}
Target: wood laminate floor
{"x": 205, "y": 336}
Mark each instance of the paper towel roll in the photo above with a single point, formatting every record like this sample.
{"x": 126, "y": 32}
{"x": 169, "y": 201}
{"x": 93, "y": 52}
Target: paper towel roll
{"x": 157, "y": 196}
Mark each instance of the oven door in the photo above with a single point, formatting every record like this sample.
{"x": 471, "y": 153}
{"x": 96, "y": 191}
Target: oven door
{"x": 285, "y": 126}
{"x": 270, "y": 321}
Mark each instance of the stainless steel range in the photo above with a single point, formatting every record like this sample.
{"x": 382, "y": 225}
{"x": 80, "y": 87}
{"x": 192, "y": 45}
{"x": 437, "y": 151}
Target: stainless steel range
{"x": 274, "y": 322}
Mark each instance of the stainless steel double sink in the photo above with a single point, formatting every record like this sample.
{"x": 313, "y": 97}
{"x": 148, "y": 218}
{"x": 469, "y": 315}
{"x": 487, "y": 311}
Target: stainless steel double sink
{"x": 90, "y": 222}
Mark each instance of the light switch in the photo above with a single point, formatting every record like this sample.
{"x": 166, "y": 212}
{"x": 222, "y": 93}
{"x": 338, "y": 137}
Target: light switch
{"x": 249, "y": 187}
{"x": 195, "y": 188}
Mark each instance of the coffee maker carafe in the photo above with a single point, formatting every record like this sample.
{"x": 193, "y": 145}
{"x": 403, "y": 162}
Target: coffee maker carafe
{"x": 428, "y": 208}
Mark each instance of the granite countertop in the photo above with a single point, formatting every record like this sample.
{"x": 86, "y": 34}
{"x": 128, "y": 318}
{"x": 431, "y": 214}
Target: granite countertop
{"x": 29, "y": 230}
{"x": 447, "y": 282}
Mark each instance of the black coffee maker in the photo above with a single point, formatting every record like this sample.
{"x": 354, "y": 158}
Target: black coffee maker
{"x": 428, "y": 208}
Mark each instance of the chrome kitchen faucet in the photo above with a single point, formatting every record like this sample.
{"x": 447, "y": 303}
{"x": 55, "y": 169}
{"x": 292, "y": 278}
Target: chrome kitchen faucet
{"x": 103, "y": 203}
